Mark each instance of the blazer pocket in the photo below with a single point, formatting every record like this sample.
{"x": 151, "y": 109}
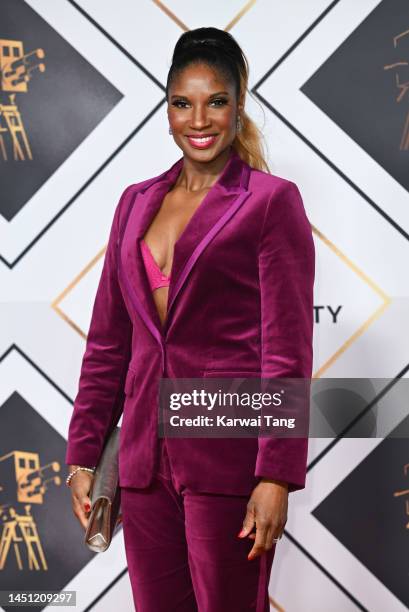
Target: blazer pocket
{"x": 129, "y": 382}
{"x": 231, "y": 373}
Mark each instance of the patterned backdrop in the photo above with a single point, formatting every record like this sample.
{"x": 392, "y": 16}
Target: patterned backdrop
{"x": 83, "y": 115}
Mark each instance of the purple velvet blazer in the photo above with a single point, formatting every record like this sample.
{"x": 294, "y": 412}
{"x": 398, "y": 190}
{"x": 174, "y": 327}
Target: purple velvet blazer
{"x": 240, "y": 303}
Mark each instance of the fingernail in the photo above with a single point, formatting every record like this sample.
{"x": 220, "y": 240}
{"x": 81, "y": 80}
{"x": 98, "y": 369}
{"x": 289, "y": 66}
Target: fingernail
{"x": 241, "y": 533}
{"x": 87, "y": 507}
{"x": 250, "y": 557}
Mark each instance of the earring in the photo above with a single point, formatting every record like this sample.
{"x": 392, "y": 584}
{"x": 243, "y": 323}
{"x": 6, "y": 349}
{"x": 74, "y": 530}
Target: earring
{"x": 170, "y": 130}
{"x": 238, "y": 124}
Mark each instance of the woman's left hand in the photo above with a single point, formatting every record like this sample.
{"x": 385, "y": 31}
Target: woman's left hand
{"x": 267, "y": 508}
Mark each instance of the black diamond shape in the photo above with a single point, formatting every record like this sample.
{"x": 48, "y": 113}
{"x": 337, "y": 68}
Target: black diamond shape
{"x": 367, "y": 512}
{"x": 361, "y": 96}
{"x": 60, "y": 109}
{"x": 28, "y": 441}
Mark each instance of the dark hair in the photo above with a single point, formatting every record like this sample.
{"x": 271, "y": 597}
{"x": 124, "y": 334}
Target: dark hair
{"x": 219, "y": 50}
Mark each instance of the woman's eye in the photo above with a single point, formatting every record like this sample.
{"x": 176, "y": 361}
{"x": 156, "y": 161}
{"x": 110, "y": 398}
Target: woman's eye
{"x": 178, "y": 102}
{"x": 219, "y": 101}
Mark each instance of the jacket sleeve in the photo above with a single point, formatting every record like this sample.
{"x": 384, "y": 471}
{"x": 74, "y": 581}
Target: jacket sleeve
{"x": 286, "y": 275}
{"x": 99, "y": 400}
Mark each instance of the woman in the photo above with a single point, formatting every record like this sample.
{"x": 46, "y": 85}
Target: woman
{"x": 209, "y": 271}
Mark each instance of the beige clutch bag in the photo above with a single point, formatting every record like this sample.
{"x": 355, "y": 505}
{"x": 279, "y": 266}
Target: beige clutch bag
{"x": 105, "y": 497}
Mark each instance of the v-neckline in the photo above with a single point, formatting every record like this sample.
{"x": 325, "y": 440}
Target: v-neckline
{"x": 186, "y": 229}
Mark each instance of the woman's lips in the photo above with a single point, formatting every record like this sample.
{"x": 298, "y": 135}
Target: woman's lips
{"x": 202, "y": 143}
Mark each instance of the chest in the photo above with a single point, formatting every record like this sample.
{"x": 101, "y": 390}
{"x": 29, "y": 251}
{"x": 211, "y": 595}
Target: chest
{"x": 173, "y": 217}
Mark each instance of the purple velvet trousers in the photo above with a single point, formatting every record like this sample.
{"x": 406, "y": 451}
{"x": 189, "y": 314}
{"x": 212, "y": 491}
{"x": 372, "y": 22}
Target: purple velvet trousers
{"x": 183, "y": 552}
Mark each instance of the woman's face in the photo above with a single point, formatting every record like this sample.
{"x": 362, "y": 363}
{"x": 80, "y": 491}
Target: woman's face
{"x": 202, "y": 112}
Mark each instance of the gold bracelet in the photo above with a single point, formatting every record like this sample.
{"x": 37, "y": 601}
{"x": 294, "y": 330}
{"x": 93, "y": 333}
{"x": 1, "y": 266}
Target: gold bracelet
{"x": 71, "y": 474}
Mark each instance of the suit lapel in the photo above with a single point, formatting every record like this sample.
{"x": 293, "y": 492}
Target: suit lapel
{"x": 217, "y": 207}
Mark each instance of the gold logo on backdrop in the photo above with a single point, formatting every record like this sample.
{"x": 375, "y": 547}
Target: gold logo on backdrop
{"x": 15, "y": 72}
{"x": 26, "y": 481}
{"x": 402, "y": 83}
{"x": 404, "y": 493}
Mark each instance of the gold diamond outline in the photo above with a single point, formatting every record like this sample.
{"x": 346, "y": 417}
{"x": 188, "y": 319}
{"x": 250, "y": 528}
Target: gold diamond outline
{"x": 375, "y": 315}
{"x": 162, "y": 6}
{"x": 70, "y": 286}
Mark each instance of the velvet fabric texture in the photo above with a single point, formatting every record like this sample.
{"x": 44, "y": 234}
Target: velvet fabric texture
{"x": 183, "y": 552}
{"x": 240, "y": 304}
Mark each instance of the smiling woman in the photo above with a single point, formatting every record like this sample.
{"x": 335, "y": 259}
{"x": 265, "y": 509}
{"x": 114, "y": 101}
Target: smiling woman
{"x": 209, "y": 271}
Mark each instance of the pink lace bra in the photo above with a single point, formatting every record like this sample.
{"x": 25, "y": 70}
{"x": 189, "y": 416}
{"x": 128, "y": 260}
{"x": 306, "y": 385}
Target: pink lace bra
{"x": 154, "y": 273}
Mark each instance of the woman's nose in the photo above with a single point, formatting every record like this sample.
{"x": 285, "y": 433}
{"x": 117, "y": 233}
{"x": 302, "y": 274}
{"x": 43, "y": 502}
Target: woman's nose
{"x": 199, "y": 118}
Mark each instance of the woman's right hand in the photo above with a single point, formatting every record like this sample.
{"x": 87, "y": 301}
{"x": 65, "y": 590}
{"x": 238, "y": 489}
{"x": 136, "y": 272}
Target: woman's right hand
{"x": 80, "y": 488}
